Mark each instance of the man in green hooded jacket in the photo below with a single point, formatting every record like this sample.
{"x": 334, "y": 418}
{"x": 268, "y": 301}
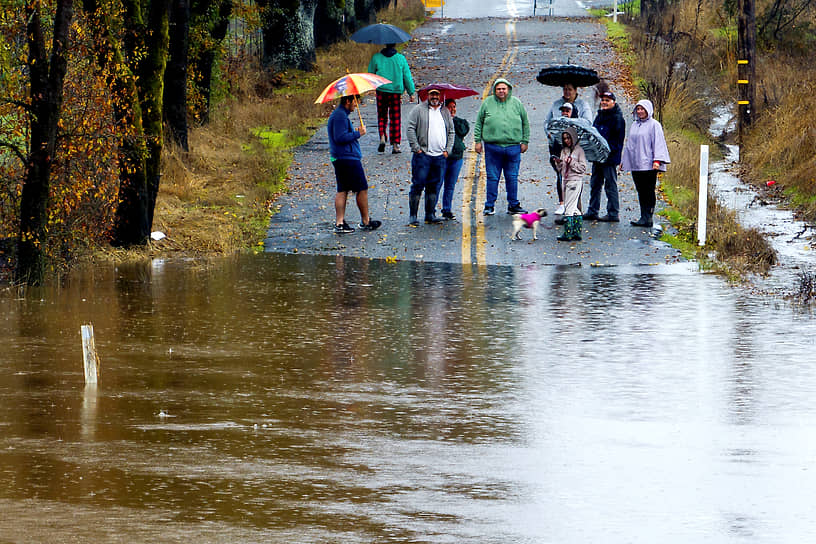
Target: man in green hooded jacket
{"x": 503, "y": 130}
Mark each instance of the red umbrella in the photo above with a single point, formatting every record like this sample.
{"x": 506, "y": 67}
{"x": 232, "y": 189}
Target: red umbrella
{"x": 447, "y": 90}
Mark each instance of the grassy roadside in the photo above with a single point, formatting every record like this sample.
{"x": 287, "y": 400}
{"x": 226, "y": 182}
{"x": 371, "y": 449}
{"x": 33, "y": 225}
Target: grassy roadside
{"x": 731, "y": 249}
{"x": 217, "y": 199}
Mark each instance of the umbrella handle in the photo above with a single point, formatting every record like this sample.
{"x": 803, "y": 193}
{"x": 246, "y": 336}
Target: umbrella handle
{"x": 360, "y": 115}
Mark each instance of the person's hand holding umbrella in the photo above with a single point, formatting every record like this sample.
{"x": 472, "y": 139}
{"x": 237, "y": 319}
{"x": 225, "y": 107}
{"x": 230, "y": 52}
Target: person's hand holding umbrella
{"x": 352, "y": 85}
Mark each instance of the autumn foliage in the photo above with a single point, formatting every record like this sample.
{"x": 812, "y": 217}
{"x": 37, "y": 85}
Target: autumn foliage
{"x": 84, "y": 182}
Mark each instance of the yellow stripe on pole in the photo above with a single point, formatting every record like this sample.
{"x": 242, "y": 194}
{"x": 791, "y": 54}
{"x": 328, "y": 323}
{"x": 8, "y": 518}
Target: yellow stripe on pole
{"x": 742, "y": 62}
{"x": 743, "y": 102}
{"x": 433, "y": 3}
{"x": 742, "y": 81}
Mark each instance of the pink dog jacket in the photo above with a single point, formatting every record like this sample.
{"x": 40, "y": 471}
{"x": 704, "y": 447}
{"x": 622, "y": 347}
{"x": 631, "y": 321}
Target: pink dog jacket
{"x": 529, "y": 219}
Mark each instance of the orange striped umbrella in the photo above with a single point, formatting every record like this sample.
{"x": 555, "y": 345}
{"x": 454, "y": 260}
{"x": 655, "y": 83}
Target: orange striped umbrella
{"x": 351, "y": 85}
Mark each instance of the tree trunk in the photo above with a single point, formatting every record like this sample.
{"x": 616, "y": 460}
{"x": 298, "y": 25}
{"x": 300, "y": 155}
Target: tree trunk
{"x": 331, "y": 20}
{"x": 175, "y": 78}
{"x": 151, "y": 93}
{"x": 288, "y": 34}
{"x": 139, "y": 63}
{"x": 204, "y": 61}
{"x": 46, "y": 76}
{"x": 133, "y": 195}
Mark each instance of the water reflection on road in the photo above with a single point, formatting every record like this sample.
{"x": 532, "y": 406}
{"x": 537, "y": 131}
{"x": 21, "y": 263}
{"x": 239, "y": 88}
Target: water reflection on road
{"x": 310, "y": 399}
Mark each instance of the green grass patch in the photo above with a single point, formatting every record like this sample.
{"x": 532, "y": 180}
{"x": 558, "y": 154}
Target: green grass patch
{"x": 618, "y": 36}
{"x": 799, "y": 198}
{"x": 674, "y": 216}
{"x": 678, "y": 195}
{"x": 281, "y": 139}
{"x": 688, "y": 249}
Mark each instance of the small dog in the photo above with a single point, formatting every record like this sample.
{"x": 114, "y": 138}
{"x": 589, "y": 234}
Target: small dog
{"x": 529, "y": 221}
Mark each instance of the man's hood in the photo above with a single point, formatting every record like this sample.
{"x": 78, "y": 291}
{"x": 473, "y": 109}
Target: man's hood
{"x": 509, "y": 86}
{"x": 388, "y": 51}
{"x": 647, "y": 105}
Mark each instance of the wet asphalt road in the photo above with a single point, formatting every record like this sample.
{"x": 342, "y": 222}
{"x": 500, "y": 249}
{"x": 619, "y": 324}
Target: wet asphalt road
{"x": 469, "y": 52}
{"x": 471, "y": 9}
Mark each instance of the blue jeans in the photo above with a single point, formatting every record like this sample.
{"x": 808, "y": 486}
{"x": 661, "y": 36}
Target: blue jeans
{"x": 607, "y": 177}
{"x": 427, "y": 173}
{"x": 452, "y": 169}
{"x": 500, "y": 159}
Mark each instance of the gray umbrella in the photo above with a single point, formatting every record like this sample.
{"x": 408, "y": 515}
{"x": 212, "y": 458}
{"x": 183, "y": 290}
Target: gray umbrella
{"x": 594, "y": 145}
{"x": 380, "y": 33}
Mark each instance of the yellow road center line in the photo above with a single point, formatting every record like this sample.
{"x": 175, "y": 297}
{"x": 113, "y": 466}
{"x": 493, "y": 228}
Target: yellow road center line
{"x": 470, "y": 166}
{"x": 467, "y": 190}
{"x": 481, "y": 239}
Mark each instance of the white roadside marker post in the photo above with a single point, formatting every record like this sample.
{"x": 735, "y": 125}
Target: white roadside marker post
{"x": 702, "y": 206}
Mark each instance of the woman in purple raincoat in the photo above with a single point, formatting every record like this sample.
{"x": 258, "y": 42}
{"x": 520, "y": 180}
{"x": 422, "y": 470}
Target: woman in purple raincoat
{"x": 645, "y": 154}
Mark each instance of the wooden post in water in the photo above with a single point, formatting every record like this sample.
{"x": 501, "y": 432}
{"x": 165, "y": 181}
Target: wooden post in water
{"x": 702, "y": 204}
{"x": 89, "y": 355}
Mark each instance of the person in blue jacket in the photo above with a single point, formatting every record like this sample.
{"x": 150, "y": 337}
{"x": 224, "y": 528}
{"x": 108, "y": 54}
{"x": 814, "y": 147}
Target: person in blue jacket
{"x": 347, "y": 159}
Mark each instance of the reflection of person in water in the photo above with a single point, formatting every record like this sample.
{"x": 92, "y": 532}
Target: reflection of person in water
{"x": 348, "y": 320}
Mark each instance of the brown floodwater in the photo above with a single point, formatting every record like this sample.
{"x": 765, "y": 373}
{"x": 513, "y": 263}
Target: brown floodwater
{"x": 284, "y": 398}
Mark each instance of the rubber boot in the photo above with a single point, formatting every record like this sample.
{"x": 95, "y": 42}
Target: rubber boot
{"x": 567, "y": 235}
{"x": 577, "y": 227}
{"x": 413, "y": 206}
{"x": 430, "y": 204}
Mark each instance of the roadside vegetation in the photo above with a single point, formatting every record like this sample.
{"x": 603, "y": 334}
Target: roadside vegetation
{"x": 683, "y": 58}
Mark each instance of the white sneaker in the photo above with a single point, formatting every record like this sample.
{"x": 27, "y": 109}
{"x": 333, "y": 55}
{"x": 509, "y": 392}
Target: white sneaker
{"x": 559, "y": 210}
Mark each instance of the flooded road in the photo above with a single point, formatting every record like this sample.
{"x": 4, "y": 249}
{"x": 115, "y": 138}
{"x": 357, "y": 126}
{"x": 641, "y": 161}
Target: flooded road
{"x": 311, "y": 399}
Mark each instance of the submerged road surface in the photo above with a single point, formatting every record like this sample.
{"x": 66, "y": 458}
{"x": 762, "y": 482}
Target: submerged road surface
{"x": 470, "y": 52}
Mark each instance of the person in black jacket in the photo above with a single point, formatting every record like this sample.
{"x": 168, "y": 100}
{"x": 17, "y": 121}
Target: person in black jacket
{"x": 454, "y": 161}
{"x": 612, "y": 127}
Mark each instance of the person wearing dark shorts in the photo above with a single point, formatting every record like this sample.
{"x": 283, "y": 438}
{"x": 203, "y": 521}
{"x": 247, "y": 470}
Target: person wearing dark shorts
{"x": 347, "y": 158}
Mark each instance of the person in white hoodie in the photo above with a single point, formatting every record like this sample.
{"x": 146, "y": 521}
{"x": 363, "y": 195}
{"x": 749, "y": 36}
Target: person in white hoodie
{"x": 645, "y": 154}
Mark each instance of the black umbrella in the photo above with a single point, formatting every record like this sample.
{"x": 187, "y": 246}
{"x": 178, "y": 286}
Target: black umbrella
{"x": 380, "y": 33}
{"x": 558, "y": 76}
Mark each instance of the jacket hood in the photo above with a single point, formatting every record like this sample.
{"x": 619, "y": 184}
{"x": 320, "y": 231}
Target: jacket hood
{"x": 509, "y": 87}
{"x": 573, "y": 134}
{"x": 647, "y": 105}
{"x": 388, "y": 51}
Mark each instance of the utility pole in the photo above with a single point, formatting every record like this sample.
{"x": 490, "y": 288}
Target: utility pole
{"x": 746, "y": 66}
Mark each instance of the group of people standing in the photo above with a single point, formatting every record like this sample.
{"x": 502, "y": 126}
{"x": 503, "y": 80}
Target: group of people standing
{"x": 502, "y": 132}
{"x": 644, "y": 155}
